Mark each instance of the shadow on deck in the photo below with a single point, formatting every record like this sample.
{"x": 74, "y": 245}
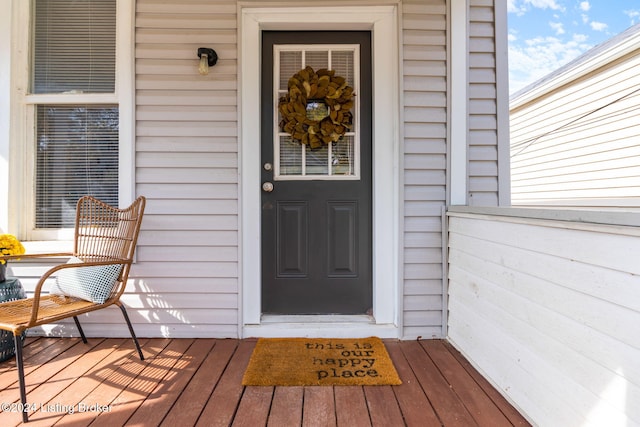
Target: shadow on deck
{"x": 188, "y": 382}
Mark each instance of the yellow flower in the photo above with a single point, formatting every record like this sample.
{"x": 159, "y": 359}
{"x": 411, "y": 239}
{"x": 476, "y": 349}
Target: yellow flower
{"x": 9, "y": 245}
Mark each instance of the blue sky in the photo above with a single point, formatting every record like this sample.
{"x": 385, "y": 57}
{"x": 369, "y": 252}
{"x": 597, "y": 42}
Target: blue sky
{"x": 546, "y": 34}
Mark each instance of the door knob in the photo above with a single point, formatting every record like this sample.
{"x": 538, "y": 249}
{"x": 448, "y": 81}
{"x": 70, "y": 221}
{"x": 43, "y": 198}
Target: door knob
{"x": 267, "y": 187}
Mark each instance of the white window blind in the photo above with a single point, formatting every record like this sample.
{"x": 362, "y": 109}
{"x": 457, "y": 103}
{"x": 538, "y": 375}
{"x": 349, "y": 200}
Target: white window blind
{"x": 74, "y": 46}
{"x": 76, "y": 144}
{"x": 77, "y": 154}
{"x": 293, "y": 160}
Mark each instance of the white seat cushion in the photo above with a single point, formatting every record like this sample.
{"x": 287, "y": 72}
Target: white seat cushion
{"x": 93, "y": 283}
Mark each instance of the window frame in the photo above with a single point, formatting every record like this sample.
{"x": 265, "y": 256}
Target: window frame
{"x": 22, "y": 158}
{"x": 278, "y": 92}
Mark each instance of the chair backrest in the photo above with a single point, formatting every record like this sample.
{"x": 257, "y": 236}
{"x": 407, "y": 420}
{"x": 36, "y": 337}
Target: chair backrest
{"x": 106, "y": 233}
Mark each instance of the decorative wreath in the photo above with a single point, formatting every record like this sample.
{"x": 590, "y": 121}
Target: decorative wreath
{"x": 308, "y": 92}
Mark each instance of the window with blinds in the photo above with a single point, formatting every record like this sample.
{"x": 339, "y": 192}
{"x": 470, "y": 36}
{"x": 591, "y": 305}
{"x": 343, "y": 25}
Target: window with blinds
{"x": 338, "y": 160}
{"x": 77, "y": 154}
{"x": 74, "y": 46}
{"x": 76, "y": 143}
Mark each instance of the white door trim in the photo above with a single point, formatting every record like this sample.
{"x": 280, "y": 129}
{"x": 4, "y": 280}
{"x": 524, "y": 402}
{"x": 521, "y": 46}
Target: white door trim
{"x": 382, "y": 21}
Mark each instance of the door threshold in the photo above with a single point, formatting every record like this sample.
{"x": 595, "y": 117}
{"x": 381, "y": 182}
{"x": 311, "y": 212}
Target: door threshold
{"x": 319, "y": 326}
{"x": 317, "y": 318}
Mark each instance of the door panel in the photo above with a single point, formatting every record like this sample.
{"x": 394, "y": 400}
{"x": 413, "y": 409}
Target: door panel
{"x": 292, "y": 240}
{"x": 342, "y": 238}
{"x": 316, "y": 221}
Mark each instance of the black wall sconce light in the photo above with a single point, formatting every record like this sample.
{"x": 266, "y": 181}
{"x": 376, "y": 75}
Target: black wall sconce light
{"x": 208, "y": 58}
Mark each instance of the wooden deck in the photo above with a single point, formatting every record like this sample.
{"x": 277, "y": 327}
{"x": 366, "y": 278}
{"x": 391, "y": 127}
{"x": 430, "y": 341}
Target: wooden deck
{"x": 187, "y": 382}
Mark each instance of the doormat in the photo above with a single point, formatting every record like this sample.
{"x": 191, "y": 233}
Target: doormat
{"x": 304, "y": 361}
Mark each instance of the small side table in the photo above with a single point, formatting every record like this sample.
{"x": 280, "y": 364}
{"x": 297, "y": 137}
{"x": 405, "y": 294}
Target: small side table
{"x": 10, "y": 289}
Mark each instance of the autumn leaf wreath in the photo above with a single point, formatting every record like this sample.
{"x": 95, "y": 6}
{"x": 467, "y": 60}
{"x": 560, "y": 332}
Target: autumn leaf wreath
{"x": 322, "y": 88}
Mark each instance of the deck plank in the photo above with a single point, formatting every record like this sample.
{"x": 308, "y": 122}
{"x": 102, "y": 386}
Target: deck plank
{"x": 190, "y": 382}
{"x": 145, "y": 383}
{"x": 222, "y": 405}
{"x": 515, "y": 418}
{"x": 51, "y": 394}
{"x": 351, "y": 407}
{"x": 286, "y": 408}
{"x": 31, "y": 347}
{"x": 33, "y": 359}
{"x": 162, "y": 398}
{"x": 319, "y": 407}
{"x": 85, "y": 384}
{"x": 415, "y": 406}
{"x": 254, "y": 407}
{"x": 113, "y": 379}
{"x": 43, "y": 375}
{"x": 446, "y": 403}
{"x": 383, "y": 406}
{"x": 193, "y": 399}
{"x": 470, "y": 393}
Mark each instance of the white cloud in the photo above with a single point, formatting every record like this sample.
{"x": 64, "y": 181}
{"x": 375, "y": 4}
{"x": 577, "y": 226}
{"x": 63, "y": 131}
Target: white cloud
{"x": 598, "y": 26}
{"x": 581, "y": 39}
{"x": 585, "y": 6}
{"x": 514, "y": 7}
{"x": 544, "y": 4}
{"x": 633, "y": 14}
{"x": 540, "y": 56}
{"x": 558, "y": 27}
{"x": 520, "y": 7}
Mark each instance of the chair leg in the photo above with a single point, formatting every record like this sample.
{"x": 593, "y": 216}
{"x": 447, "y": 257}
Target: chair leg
{"x": 75, "y": 319}
{"x": 19, "y": 364}
{"x": 133, "y": 335}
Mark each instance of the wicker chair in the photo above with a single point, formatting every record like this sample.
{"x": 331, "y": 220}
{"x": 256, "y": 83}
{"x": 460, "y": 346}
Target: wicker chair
{"x": 105, "y": 238}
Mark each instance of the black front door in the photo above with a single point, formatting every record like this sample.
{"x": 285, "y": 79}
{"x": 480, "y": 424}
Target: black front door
{"x": 316, "y": 203}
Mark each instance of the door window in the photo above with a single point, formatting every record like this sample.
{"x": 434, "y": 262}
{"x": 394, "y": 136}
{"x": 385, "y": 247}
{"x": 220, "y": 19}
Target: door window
{"x": 337, "y": 160}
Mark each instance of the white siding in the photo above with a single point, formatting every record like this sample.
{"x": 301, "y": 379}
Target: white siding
{"x": 186, "y": 279}
{"x": 425, "y": 161}
{"x": 578, "y": 145}
{"x": 483, "y": 123}
{"x": 546, "y": 310}
{"x": 425, "y": 148}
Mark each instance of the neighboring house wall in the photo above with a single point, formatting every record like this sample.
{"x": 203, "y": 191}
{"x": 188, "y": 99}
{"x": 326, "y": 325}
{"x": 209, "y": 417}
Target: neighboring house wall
{"x": 574, "y": 135}
{"x": 187, "y": 281}
{"x": 546, "y": 309}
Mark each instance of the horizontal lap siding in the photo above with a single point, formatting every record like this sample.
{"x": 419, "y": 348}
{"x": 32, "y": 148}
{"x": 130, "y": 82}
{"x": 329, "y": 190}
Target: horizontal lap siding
{"x": 186, "y": 280}
{"x": 187, "y": 162}
{"x": 425, "y": 115}
{"x": 579, "y": 144}
{"x": 425, "y": 148}
{"x": 483, "y": 139}
{"x": 546, "y": 311}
